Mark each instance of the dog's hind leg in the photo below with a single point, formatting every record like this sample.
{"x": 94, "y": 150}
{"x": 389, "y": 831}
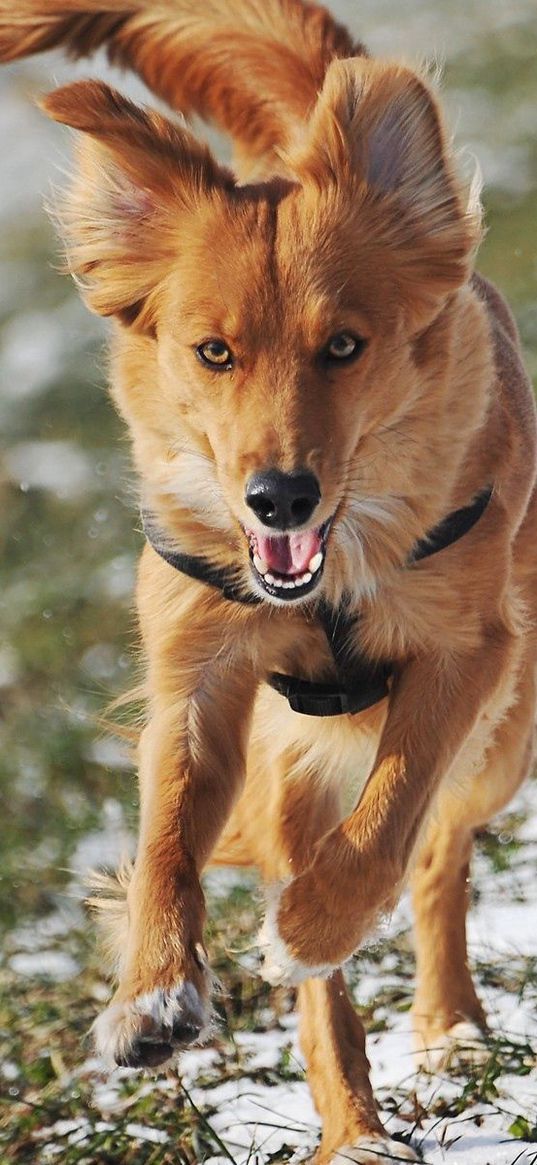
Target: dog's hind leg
{"x": 275, "y": 825}
{"x": 448, "y": 1016}
{"x": 446, "y": 1008}
{"x": 333, "y": 1042}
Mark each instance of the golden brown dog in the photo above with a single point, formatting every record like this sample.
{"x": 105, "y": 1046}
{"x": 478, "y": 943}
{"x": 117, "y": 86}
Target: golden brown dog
{"x": 316, "y": 384}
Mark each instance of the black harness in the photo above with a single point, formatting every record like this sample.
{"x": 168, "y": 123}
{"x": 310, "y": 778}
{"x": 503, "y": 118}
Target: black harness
{"x": 361, "y": 683}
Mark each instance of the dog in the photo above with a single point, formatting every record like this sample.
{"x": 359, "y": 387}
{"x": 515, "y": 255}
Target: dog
{"x": 336, "y": 445}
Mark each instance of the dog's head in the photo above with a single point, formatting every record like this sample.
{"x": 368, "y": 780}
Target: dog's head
{"x": 287, "y": 346}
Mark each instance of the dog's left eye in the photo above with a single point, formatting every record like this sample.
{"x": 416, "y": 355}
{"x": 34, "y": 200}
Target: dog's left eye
{"x": 343, "y": 346}
{"x": 215, "y": 353}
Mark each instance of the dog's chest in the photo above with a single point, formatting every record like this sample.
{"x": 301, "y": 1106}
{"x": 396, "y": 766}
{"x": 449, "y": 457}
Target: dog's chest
{"x": 335, "y": 750}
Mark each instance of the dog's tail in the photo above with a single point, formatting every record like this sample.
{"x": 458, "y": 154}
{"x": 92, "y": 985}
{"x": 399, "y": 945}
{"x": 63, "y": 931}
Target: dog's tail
{"x": 253, "y": 67}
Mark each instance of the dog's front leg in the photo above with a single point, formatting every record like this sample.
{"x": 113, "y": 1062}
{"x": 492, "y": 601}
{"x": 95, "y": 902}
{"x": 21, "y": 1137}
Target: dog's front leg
{"x": 191, "y": 769}
{"x": 320, "y": 918}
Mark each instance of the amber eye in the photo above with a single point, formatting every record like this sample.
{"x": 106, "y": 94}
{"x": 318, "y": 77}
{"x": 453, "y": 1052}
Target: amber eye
{"x": 343, "y": 346}
{"x": 215, "y": 353}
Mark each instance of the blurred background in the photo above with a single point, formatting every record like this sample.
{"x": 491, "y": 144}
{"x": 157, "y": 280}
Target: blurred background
{"x": 68, "y": 520}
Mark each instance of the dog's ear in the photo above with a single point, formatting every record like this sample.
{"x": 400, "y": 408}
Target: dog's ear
{"x": 377, "y": 133}
{"x": 138, "y": 172}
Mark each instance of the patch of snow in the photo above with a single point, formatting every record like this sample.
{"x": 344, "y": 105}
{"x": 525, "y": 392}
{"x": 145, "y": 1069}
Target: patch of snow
{"x": 508, "y": 929}
{"x": 60, "y": 467}
{"x": 112, "y": 754}
{"x": 144, "y": 1133}
{"x": 115, "y": 580}
{"x": 9, "y": 666}
{"x": 106, "y": 846}
{"x": 42, "y": 931}
{"x": 54, "y": 964}
{"x": 222, "y": 880}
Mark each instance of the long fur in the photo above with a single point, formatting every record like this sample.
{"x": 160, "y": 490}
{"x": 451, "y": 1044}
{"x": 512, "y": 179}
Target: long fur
{"x": 108, "y": 899}
{"x": 358, "y": 223}
{"x": 281, "y": 50}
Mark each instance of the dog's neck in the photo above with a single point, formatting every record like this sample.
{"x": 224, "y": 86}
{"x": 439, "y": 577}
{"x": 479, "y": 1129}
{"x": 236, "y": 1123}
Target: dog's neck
{"x": 361, "y": 683}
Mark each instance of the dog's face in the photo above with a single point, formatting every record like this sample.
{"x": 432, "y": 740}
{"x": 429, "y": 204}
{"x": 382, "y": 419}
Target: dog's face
{"x": 284, "y": 327}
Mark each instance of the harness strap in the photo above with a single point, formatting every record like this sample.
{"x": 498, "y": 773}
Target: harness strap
{"x": 199, "y": 568}
{"x": 361, "y": 683}
{"x": 452, "y": 527}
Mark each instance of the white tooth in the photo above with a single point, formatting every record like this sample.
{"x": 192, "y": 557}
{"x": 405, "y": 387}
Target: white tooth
{"x": 278, "y": 582}
{"x": 306, "y": 578}
{"x": 289, "y": 584}
{"x": 260, "y": 564}
{"x": 269, "y": 578}
{"x": 315, "y": 562}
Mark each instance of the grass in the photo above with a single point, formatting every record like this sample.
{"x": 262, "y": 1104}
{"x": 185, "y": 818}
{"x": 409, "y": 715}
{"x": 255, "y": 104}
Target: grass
{"x": 56, "y": 1103}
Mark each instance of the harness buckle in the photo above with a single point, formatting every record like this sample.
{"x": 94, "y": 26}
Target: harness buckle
{"x": 315, "y": 699}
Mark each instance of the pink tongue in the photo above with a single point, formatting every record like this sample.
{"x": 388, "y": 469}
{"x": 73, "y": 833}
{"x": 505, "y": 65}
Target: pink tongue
{"x": 289, "y": 553}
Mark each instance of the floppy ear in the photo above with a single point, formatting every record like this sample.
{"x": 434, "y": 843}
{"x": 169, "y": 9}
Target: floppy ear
{"x": 122, "y": 217}
{"x": 377, "y": 132}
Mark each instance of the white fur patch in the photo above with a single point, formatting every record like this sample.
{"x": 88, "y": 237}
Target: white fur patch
{"x": 370, "y": 1150}
{"x": 151, "y": 1016}
{"x": 464, "y": 1043}
{"x": 191, "y": 478}
{"x": 279, "y": 966}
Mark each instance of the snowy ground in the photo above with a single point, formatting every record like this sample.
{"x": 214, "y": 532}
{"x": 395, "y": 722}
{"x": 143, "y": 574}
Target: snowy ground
{"x": 503, "y": 932}
{"x": 245, "y": 1097}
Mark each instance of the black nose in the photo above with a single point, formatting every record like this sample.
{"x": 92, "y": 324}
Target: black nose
{"x": 283, "y": 500}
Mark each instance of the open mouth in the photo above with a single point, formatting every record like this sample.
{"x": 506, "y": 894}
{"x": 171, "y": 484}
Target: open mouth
{"x": 288, "y": 566}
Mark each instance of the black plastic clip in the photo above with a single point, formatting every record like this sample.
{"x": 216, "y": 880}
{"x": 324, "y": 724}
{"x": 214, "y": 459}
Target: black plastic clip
{"x": 315, "y": 699}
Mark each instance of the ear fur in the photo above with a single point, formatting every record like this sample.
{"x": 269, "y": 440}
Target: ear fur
{"x": 121, "y": 218}
{"x": 377, "y": 131}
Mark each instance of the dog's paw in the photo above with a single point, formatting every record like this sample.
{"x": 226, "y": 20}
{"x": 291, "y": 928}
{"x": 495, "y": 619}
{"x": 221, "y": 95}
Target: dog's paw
{"x": 463, "y": 1044}
{"x": 147, "y": 1031}
{"x": 308, "y": 932}
{"x": 370, "y": 1150}
{"x": 279, "y": 966}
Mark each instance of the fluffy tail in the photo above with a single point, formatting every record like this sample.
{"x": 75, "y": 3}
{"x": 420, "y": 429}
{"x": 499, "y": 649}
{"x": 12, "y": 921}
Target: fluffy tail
{"x": 253, "y": 67}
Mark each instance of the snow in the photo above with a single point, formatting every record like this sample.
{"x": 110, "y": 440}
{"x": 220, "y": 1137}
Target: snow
{"x": 255, "y": 1120}
{"x": 58, "y": 466}
{"x": 56, "y": 964}
{"x": 256, "y": 1111}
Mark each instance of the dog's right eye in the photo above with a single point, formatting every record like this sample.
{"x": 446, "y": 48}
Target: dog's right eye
{"x": 216, "y": 354}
